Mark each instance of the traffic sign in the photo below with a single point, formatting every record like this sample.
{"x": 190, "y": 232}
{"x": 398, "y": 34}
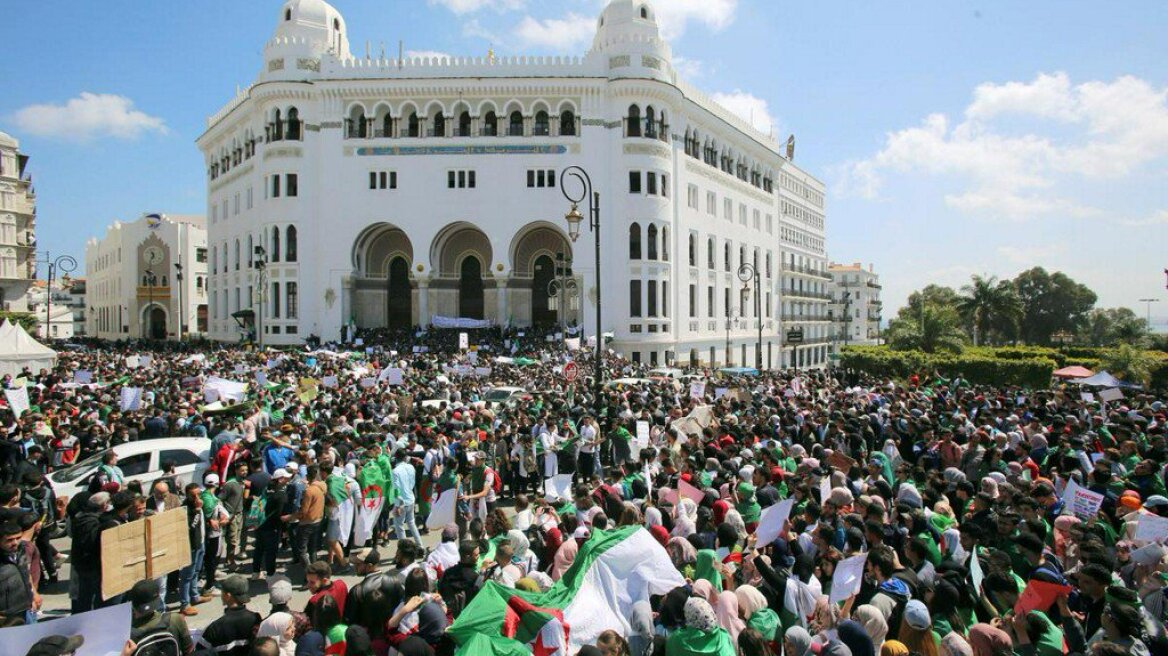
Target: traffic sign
{"x": 571, "y": 371}
{"x": 795, "y": 336}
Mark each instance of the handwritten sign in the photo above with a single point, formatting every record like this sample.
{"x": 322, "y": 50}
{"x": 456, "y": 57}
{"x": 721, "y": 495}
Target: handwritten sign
{"x": 1151, "y": 528}
{"x": 642, "y": 434}
{"x": 1113, "y": 394}
{"x": 1082, "y": 502}
{"x": 849, "y": 575}
{"x": 841, "y": 462}
{"x": 697, "y": 390}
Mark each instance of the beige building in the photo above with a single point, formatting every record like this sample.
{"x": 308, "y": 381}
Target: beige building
{"x": 145, "y": 275}
{"x": 17, "y": 226}
{"x": 855, "y": 307}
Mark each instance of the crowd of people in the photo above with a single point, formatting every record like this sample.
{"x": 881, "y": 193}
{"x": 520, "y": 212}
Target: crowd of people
{"x": 953, "y": 490}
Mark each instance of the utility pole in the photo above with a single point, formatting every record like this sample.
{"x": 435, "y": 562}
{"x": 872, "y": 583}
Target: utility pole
{"x": 1148, "y": 314}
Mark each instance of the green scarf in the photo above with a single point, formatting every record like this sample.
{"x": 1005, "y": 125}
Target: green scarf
{"x": 210, "y": 501}
{"x": 707, "y": 568}
{"x": 766, "y": 622}
{"x": 336, "y": 488}
{"x": 623, "y": 433}
{"x": 687, "y": 641}
{"x": 747, "y": 507}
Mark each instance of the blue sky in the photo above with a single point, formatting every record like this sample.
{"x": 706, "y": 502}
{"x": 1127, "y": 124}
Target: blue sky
{"x": 955, "y": 138}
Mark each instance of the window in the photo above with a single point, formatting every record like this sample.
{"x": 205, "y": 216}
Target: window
{"x": 275, "y": 186}
{"x": 439, "y": 129}
{"x": 710, "y": 256}
{"x": 726, "y": 257}
{"x": 742, "y": 215}
{"x": 664, "y": 185}
{"x": 693, "y": 251}
{"x": 515, "y": 125}
{"x": 633, "y": 123}
{"x": 383, "y": 179}
{"x": 464, "y": 179}
{"x": 635, "y": 241}
{"x": 651, "y": 183}
{"x": 180, "y": 457}
{"x": 201, "y": 255}
{"x": 235, "y": 204}
{"x": 567, "y": 123}
{"x": 634, "y": 182}
{"x": 691, "y": 196}
{"x": 463, "y": 125}
{"x": 726, "y": 301}
{"x": 135, "y": 465}
{"x": 728, "y": 209}
{"x": 757, "y": 220}
{"x": 275, "y": 300}
{"x": 275, "y": 252}
{"x": 634, "y": 298}
{"x": 290, "y": 245}
{"x": 710, "y": 301}
{"x": 651, "y": 237}
{"x": 711, "y": 203}
{"x": 664, "y": 243}
{"x": 412, "y": 125}
{"x": 291, "y": 186}
{"x": 542, "y": 127}
{"x": 664, "y": 298}
{"x": 693, "y": 301}
{"x": 541, "y": 178}
{"x": 292, "y": 303}
{"x": 490, "y": 125}
{"x": 249, "y": 198}
{"x": 652, "y": 298}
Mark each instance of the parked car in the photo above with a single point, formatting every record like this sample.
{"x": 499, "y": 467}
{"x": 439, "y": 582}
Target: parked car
{"x": 139, "y": 461}
{"x": 504, "y": 396}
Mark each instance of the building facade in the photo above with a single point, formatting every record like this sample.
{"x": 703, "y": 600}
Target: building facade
{"x": 145, "y": 275}
{"x": 387, "y": 193}
{"x": 67, "y": 307}
{"x": 856, "y": 309}
{"x": 17, "y": 226}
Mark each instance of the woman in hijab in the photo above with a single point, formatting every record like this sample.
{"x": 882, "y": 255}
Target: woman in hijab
{"x": 704, "y": 589}
{"x": 853, "y": 634}
{"x": 641, "y": 628}
{"x": 893, "y": 648}
{"x": 683, "y": 555}
{"x": 701, "y": 635}
{"x": 660, "y": 534}
{"x": 825, "y": 619}
{"x": 686, "y": 522}
{"x": 565, "y": 555}
{"x": 727, "y": 611}
{"x": 708, "y": 568}
{"x": 986, "y": 640}
{"x": 672, "y": 615}
{"x": 954, "y": 645}
{"x": 523, "y": 556}
{"x": 652, "y": 517}
{"x": 873, "y": 622}
{"x": 951, "y": 546}
{"x": 752, "y": 607}
{"x": 796, "y": 642}
{"x": 747, "y": 505}
{"x": 281, "y": 627}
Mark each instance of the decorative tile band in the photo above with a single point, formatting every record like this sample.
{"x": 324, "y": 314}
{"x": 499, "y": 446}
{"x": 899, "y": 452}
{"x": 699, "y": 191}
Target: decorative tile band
{"x": 391, "y": 151}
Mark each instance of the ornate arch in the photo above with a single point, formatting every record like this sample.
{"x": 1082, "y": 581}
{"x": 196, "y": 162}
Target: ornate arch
{"x": 377, "y": 245}
{"x": 456, "y": 242}
{"x": 533, "y": 240}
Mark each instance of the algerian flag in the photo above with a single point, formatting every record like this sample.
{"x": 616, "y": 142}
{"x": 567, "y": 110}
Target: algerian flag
{"x": 612, "y": 571}
{"x": 373, "y": 485}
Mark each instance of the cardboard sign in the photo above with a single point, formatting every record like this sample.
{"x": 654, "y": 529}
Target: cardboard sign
{"x": 143, "y": 549}
{"x": 848, "y": 576}
{"x": 82, "y": 377}
{"x": 840, "y": 462}
{"x": 642, "y": 434}
{"x": 1082, "y": 502}
{"x": 1039, "y": 595}
{"x": 104, "y": 630}
{"x": 771, "y": 521}
{"x": 1113, "y": 394}
{"x": 690, "y": 492}
{"x": 1151, "y": 528}
{"x": 824, "y": 489}
{"x": 463, "y": 341}
{"x": 131, "y": 399}
{"x": 697, "y": 390}
{"x": 18, "y": 400}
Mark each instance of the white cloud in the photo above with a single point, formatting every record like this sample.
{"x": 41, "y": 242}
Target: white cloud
{"x": 1024, "y": 149}
{"x": 690, "y": 69}
{"x": 1032, "y": 255}
{"x": 470, "y": 6}
{"x": 674, "y": 15}
{"x": 428, "y": 54}
{"x": 88, "y": 116}
{"x": 567, "y": 33}
{"x": 749, "y": 107}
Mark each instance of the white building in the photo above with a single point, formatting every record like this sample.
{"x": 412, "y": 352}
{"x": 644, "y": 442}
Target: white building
{"x": 143, "y": 275}
{"x": 67, "y": 307}
{"x": 386, "y": 193}
{"x": 17, "y": 225}
{"x": 856, "y": 309}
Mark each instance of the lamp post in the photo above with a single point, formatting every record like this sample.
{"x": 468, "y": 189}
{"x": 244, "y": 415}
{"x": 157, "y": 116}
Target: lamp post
{"x": 574, "y": 219}
{"x": 745, "y": 272}
{"x": 261, "y": 265}
{"x": 151, "y": 280}
{"x": 730, "y": 320}
{"x": 66, "y": 264}
{"x": 1148, "y": 315}
{"x": 178, "y": 278}
{"x": 563, "y": 289}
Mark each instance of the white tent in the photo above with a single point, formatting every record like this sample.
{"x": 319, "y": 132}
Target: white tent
{"x": 18, "y": 350}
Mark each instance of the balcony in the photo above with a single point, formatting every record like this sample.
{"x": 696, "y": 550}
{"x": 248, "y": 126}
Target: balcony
{"x": 795, "y": 293}
{"x": 807, "y": 271}
{"x": 874, "y": 285}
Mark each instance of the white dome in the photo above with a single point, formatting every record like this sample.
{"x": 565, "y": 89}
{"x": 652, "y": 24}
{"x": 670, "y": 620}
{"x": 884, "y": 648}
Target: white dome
{"x": 629, "y": 27}
{"x": 314, "y": 26}
{"x": 8, "y": 140}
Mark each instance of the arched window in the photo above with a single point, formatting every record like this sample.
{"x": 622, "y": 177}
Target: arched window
{"x": 237, "y": 255}
{"x": 515, "y": 128}
{"x": 292, "y": 300}
{"x": 651, "y": 237}
{"x": 633, "y": 123}
{"x": 693, "y": 251}
{"x": 439, "y": 125}
{"x": 644, "y": 12}
{"x": 290, "y": 245}
{"x": 287, "y": 14}
{"x": 635, "y": 241}
{"x": 491, "y": 125}
{"x": 412, "y": 125}
{"x": 464, "y": 124}
{"x": 198, "y": 282}
{"x": 662, "y": 126}
{"x": 277, "y": 129}
{"x": 293, "y": 124}
{"x": 248, "y": 252}
{"x": 567, "y": 123}
{"x": 165, "y": 281}
{"x": 726, "y": 257}
{"x": 386, "y": 126}
{"x": 356, "y": 123}
{"x": 650, "y": 122}
{"x": 741, "y": 255}
{"x": 665, "y": 243}
{"x": 274, "y": 254}
{"x": 710, "y": 256}
{"x": 542, "y": 126}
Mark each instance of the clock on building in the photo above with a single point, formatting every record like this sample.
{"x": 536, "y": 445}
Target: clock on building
{"x": 153, "y": 255}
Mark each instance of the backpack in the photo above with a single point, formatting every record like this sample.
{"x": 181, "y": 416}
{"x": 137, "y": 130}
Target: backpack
{"x": 496, "y": 482}
{"x": 258, "y": 512}
{"x": 160, "y": 642}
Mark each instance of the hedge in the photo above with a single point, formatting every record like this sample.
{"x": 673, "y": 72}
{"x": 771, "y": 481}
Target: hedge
{"x": 973, "y": 366}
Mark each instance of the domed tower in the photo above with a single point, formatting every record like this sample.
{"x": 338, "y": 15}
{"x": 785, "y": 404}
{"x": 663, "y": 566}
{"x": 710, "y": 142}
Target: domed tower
{"x": 306, "y": 31}
{"x": 628, "y": 36}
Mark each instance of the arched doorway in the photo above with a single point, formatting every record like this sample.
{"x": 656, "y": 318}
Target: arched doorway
{"x": 470, "y": 288}
{"x": 157, "y": 323}
{"x": 543, "y": 307}
{"x": 399, "y": 305}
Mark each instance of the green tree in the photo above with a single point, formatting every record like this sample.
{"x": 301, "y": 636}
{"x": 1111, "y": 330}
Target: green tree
{"x": 27, "y": 320}
{"x": 930, "y": 295}
{"x": 1111, "y": 326}
{"x": 934, "y": 328}
{"x": 1050, "y": 303}
{"x": 988, "y": 305}
{"x": 1129, "y": 363}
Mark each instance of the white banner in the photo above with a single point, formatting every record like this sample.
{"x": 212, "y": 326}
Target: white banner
{"x": 345, "y": 514}
{"x": 18, "y": 400}
{"x": 642, "y": 440}
{"x": 367, "y": 520}
{"x": 131, "y": 399}
{"x": 391, "y": 376}
{"x": 459, "y": 322}
{"x": 224, "y": 390}
{"x": 1151, "y": 528}
{"x": 442, "y": 510}
{"x": 848, "y": 576}
{"x": 103, "y": 632}
{"x": 558, "y": 487}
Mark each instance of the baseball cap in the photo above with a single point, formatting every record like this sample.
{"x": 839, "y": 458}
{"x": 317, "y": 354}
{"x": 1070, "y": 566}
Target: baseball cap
{"x": 917, "y": 615}
{"x": 236, "y": 585}
{"x": 1156, "y": 501}
{"x": 279, "y": 590}
{"x": 211, "y": 480}
{"x": 57, "y": 645}
{"x": 281, "y": 474}
{"x": 144, "y": 595}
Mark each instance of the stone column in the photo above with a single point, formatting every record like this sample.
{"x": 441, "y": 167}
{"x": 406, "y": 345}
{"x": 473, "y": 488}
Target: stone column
{"x": 502, "y": 297}
{"x": 424, "y": 302}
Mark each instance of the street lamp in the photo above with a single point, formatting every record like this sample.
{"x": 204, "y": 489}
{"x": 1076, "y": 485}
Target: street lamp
{"x": 745, "y": 272}
{"x": 1148, "y": 316}
{"x": 261, "y": 264}
{"x": 574, "y": 219}
{"x": 66, "y": 264}
{"x": 178, "y": 278}
{"x": 151, "y": 281}
{"x": 562, "y": 282}
{"x": 730, "y": 319}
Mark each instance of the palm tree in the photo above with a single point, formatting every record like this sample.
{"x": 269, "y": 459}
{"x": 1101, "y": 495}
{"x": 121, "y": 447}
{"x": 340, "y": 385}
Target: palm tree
{"x": 988, "y": 302}
{"x": 1129, "y": 363}
{"x": 935, "y": 328}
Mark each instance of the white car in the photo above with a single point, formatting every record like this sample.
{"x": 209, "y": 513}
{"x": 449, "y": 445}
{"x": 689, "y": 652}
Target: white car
{"x": 506, "y": 396}
{"x": 140, "y": 461}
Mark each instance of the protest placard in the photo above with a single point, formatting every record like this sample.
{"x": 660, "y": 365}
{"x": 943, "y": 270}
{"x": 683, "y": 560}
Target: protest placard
{"x": 1113, "y": 394}
{"x": 824, "y": 489}
{"x": 1082, "y": 502}
{"x": 143, "y": 549}
{"x": 771, "y": 522}
{"x": 83, "y": 377}
{"x": 642, "y": 434}
{"x": 690, "y": 492}
{"x": 131, "y": 399}
{"x": 976, "y": 575}
{"x": 1151, "y": 528}
{"x": 1038, "y": 595}
{"x": 848, "y": 576}
{"x": 18, "y": 400}
{"x": 103, "y": 632}
{"x": 697, "y": 390}
{"x": 840, "y": 462}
